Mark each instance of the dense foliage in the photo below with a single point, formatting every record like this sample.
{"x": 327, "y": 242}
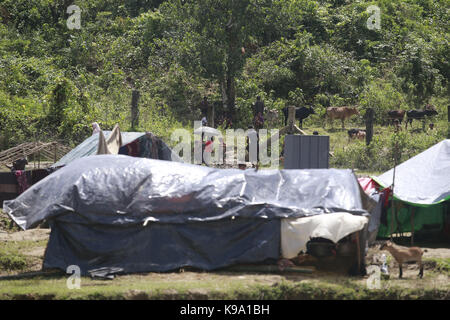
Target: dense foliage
{"x": 55, "y": 81}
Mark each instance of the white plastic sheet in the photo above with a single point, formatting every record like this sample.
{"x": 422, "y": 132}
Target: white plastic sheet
{"x": 295, "y": 233}
{"x": 423, "y": 179}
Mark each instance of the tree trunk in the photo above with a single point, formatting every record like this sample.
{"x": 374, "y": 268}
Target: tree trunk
{"x": 231, "y": 59}
{"x": 229, "y": 96}
{"x": 224, "y": 95}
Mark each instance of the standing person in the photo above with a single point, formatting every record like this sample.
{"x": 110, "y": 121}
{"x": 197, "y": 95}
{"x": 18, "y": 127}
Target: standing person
{"x": 258, "y": 113}
{"x": 207, "y": 151}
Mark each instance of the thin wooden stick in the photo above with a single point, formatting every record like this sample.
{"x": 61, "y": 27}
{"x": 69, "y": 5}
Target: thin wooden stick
{"x": 412, "y": 225}
{"x": 358, "y": 247}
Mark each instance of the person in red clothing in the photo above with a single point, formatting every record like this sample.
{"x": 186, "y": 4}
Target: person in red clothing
{"x": 207, "y": 151}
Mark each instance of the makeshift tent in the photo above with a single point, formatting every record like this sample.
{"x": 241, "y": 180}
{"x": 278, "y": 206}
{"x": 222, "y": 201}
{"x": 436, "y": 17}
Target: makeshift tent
{"x": 136, "y": 144}
{"x": 422, "y": 191}
{"x": 120, "y": 213}
{"x": 12, "y": 183}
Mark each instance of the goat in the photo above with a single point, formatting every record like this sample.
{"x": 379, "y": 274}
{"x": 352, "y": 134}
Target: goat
{"x": 404, "y": 254}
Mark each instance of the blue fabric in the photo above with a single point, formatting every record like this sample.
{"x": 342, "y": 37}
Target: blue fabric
{"x": 163, "y": 247}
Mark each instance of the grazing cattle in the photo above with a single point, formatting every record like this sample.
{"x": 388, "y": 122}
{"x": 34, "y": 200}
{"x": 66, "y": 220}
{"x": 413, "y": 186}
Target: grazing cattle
{"x": 341, "y": 113}
{"x": 418, "y": 115}
{"x": 301, "y": 113}
{"x": 397, "y": 115}
{"x": 356, "y": 133}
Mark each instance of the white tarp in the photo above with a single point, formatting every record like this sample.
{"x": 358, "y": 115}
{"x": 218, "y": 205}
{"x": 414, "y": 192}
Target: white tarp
{"x": 296, "y": 232}
{"x": 423, "y": 179}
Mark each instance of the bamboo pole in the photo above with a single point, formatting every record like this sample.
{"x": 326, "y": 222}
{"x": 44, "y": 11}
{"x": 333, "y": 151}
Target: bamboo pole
{"x": 412, "y": 225}
{"x": 393, "y": 211}
{"x": 358, "y": 248}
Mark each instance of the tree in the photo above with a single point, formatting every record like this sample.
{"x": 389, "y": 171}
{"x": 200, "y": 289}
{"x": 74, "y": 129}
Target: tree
{"x": 209, "y": 38}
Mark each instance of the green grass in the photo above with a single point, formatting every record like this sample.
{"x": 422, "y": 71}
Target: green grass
{"x": 439, "y": 264}
{"x": 119, "y": 288}
{"x": 6, "y": 224}
{"x": 12, "y": 257}
{"x": 13, "y": 261}
{"x": 216, "y": 286}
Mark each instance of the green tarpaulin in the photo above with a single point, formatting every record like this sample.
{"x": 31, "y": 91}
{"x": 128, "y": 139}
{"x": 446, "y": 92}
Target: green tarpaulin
{"x": 421, "y": 183}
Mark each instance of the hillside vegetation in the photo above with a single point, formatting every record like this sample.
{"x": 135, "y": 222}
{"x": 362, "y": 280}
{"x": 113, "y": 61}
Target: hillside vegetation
{"x": 56, "y": 81}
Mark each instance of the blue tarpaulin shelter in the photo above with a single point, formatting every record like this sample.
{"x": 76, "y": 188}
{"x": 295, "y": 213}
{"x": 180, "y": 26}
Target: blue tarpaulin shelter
{"x": 139, "y": 215}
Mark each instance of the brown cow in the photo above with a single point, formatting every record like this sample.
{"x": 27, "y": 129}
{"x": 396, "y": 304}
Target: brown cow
{"x": 396, "y": 115}
{"x": 341, "y": 113}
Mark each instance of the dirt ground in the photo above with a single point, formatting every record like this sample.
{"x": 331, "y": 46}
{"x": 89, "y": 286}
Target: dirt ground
{"x": 28, "y": 235}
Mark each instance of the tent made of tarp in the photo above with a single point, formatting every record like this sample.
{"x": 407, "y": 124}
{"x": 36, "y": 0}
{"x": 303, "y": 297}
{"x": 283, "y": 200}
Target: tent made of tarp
{"x": 421, "y": 191}
{"x": 136, "y": 144}
{"x": 113, "y": 212}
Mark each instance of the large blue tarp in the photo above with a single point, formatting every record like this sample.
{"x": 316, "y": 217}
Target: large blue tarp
{"x": 137, "y": 214}
{"x": 163, "y": 247}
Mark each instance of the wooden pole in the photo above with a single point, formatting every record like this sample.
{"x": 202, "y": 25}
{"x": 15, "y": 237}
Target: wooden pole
{"x": 369, "y": 125}
{"x": 412, "y": 225}
{"x": 448, "y": 120}
{"x": 392, "y": 220}
{"x": 213, "y": 115}
{"x": 291, "y": 128}
{"x": 393, "y": 211}
{"x": 291, "y": 116}
{"x": 358, "y": 249}
{"x": 34, "y": 159}
{"x": 134, "y": 109}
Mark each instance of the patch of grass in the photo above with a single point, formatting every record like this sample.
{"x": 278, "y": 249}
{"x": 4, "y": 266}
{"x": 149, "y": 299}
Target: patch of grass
{"x": 12, "y": 261}
{"x": 439, "y": 264}
{"x": 12, "y": 257}
{"x": 7, "y": 224}
{"x": 209, "y": 286}
{"x": 378, "y": 157}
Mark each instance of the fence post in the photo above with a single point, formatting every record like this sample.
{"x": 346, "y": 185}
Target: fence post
{"x": 369, "y": 125}
{"x": 448, "y": 122}
{"x": 134, "y": 109}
